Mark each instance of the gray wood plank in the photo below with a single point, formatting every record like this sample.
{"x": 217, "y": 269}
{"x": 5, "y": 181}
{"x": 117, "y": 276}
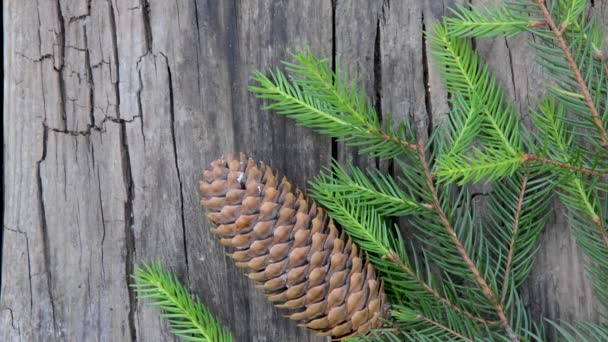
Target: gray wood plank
{"x": 73, "y": 225}
{"x": 357, "y": 48}
{"x": 22, "y": 250}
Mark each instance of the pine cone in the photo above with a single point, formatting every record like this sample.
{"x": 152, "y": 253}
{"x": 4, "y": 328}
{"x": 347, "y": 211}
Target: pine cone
{"x": 292, "y": 249}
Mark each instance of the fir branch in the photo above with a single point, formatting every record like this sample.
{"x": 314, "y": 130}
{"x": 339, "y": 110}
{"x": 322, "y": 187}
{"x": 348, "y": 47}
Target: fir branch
{"x": 466, "y": 77}
{"x": 487, "y": 291}
{"x": 591, "y": 229}
{"x": 515, "y": 229}
{"x": 558, "y": 33}
{"x": 490, "y": 164}
{"x": 584, "y": 212}
{"x": 379, "y": 191}
{"x": 318, "y": 98}
{"x": 189, "y": 318}
{"x": 484, "y": 21}
{"x": 360, "y": 203}
{"x": 531, "y": 158}
{"x": 556, "y": 143}
{"x": 464, "y": 122}
{"x": 580, "y": 332}
{"x": 415, "y": 326}
{"x": 451, "y": 332}
{"x": 408, "y": 270}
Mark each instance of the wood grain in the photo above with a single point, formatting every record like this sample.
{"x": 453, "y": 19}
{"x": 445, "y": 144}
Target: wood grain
{"x": 112, "y": 108}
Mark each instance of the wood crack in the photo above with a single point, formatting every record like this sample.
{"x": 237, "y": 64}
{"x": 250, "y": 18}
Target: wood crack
{"x": 10, "y": 312}
{"x": 90, "y": 81}
{"x": 140, "y": 106}
{"x": 129, "y": 220}
{"x": 103, "y": 226}
{"x": 175, "y": 157}
{"x": 58, "y": 63}
{"x": 511, "y": 69}
{"x": 92, "y": 127}
{"x": 128, "y": 181}
{"x": 44, "y": 227}
{"x": 426, "y": 79}
{"x": 145, "y": 13}
{"x": 378, "y": 77}
{"x": 334, "y": 4}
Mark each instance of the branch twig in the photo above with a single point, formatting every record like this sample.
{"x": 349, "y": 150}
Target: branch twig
{"x": 395, "y": 258}
{"x": 579, "y": 78}
{"x": 487, "y": 291}
{"x": 441, "y": 326}
{"x": 517, "y": 215}
{"x": 528, "y": 157}
{"x": 405, "y": 144}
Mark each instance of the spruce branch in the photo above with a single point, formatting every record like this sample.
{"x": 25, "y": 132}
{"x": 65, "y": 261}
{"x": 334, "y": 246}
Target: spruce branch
{"x": 498, "y": 158}
{"x": 516, "y": 212}
{"x": 487, "y": 291}
{"x": 408, "y": 270}
{"x": 580, "y": 332}
{"x": 583, "y": 39}
{"x": 467, "y": 78}
{"x": 558, "y": 32}
{"x": 477, "y": 165}
{"x": 452, "y": 236}
{"x": 490, "y": 21}
{"x": 531, "y": 158}
{"x": 515, "y": 229}
{"x": 318, "y": 98}
{"x": 491, "y": 165}
{"x": 580, "y": 195}
{"x": 561, "y": 157}
{"x": 449, "y": 331}
{"x": 461, "y": 128}
{"x": 379, "y": 190}
{"x": 189, "y": 318}
{"x": 556, "y": 144}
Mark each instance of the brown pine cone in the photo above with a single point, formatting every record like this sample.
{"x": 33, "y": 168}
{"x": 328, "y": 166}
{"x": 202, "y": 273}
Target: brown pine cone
{"x": 292, "y": 249}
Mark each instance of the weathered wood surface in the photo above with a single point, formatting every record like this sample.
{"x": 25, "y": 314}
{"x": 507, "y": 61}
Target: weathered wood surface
{"x": 112, "y": 108}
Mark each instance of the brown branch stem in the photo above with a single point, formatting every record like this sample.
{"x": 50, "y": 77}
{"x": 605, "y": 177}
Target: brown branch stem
{"x": 485, "y": 288}
{"x": 579, "y": 78}
{"x": 528, "y": 157}
{"x": 439, "y": 325}
{"x": 537, "y": 23}
{"x": 517, "y": 215}
{"x": 406, "y": 144}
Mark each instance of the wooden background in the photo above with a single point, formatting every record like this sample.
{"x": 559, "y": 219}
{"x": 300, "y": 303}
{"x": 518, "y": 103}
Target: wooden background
{"x": 113, "y": 107}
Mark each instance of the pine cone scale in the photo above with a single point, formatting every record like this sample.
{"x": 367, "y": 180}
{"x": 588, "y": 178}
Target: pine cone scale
{"x": 292, "y": 249}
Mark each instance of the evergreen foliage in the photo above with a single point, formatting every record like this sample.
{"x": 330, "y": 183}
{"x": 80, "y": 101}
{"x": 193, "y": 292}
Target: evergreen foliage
{"x": 458, "y": 278}
{"x": 189, "y": 318}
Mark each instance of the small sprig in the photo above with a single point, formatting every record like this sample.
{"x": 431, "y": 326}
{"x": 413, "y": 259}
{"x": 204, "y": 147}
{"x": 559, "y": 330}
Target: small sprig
{"x": 330, "y": 103}
{"x": 189, "y": 318}
{"x": 574, "y": 11}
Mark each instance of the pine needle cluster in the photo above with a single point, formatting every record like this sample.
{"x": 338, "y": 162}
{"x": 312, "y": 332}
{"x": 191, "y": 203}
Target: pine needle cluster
{"x": 458, "y": 277}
